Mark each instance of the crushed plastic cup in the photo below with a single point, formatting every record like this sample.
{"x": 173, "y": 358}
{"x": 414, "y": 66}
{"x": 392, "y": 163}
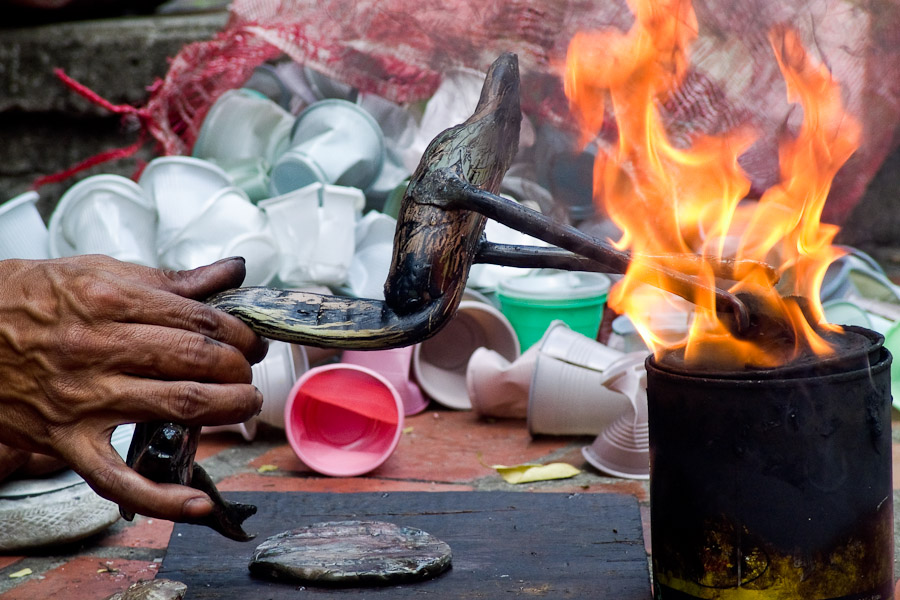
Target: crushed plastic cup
{"x": 251, "y": 175}
{"x": 243, "y": 124}
{"x": 334, "y": 142}
{"x": 498, "y": 387}
{"x": 371, "y": 260}
{"x": 343, "y": 420}
{"x": 266, "y": 80}
{"x": 567, "y": 394}
{"x": 841, "y": 312}
{"x": 440, "y": 362}
{"x": 395, "y": 365}
{"x": 180, "y": 188}
{"x": 22, "y": 230}
{"x": 324, "y": 87}
{"x": 275, "y": 375}
{"x": 314, "y": 230}
{"x": 227, "y": 216}
{"x": 105, "y": 214}
{"x": 532, "y": 302}
{"x": 623, "y": 448}
{"x": 260, "y": 253}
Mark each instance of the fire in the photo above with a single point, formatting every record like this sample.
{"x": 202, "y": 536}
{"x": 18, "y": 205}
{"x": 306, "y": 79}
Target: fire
{"x": 675, "y": 204}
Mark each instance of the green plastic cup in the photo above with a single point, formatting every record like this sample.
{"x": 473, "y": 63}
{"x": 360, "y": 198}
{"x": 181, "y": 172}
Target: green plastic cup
{"x": 892, "y": 343}
{"x": 533, "y": 301}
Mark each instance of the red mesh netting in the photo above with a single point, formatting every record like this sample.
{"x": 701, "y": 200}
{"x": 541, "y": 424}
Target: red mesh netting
{"x": 400, "y": 48}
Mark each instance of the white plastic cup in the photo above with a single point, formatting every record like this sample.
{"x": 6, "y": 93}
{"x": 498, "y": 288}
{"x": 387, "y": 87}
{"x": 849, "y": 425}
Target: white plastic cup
{"x": 567, "y": 394}
{"x": 333, "y": 141}
{"x": 243, "y": 124}
{"x": 22, "y": 230}
{"x": 371, "y": 260}
{"x": 314, "y": 230}
{"x": 841, "y": 312}
{"x": 247, "y": 429}
{"x": 440, "y": 362}
{"x": 394, "y": 365}
{"x": 251, "y": 175}
{"x": 227, "y": 216}
{"x": 623, "y": 448}
{"x": 343, "y": 420}
{"x": 498, "y": 387}
{"x": 180, "y": 187}
{"x": 105, "y": 214}
{"x": 275, "y": 375}
{"x": 260, "y": 253}
{"x": 267, "y": 81}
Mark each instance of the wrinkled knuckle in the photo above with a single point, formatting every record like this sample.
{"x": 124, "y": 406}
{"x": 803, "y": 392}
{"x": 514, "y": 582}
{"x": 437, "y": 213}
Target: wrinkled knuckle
{"x": 104, "y": 479}
{"x": 73, "y": 340}
{"x": 101, "y": 292}
{"x": 195, "y": 348}
{"x": 203, "y": 319}
{"x": 188, "y": 400}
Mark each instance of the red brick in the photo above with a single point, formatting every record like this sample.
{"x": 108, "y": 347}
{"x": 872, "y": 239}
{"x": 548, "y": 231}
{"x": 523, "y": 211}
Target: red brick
{"x": 213, "y": 443}
{"x": 267, "y": 483}
{"x": 5, "y": 561}
{"x": 79, "y": 580}
{"x": 141, "y": 533}
{"x": 620, "y": 486}
{"x": 895, "y": 467}
{"x": 283, "y": 458}
{"x": 454, "y": 446}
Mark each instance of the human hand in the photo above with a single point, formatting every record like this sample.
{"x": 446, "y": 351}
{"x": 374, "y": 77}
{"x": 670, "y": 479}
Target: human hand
{"x": 88, "y": 343}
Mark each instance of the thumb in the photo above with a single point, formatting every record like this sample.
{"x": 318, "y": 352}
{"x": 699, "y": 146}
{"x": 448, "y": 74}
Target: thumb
{"x": 203, "y": 282}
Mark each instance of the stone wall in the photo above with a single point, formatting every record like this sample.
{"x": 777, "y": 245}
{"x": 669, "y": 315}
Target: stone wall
{"x": 45, "y": 127}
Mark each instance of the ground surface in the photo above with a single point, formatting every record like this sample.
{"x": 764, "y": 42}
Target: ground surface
{"x": 439, "y": 451}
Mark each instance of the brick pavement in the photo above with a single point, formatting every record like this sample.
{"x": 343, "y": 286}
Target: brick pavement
{"x": 441, "y": 450}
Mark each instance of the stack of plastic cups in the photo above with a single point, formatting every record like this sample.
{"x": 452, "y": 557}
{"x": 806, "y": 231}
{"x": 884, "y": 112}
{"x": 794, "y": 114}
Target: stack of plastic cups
{"x": 334, "y": 142}
{"x": 22, "y": 231}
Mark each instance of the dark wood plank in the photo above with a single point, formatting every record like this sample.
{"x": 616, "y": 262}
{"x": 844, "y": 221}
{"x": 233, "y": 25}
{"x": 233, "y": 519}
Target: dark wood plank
{"x": 505, "y": 545}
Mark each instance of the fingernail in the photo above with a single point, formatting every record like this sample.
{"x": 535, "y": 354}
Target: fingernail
{"x": 230, "y": 258}
{"x": 197, "y": 507}
{"x": 260, "y": 398}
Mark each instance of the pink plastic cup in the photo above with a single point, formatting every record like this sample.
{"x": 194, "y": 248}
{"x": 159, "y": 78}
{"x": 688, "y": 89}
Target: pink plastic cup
{"x": 343, "y": 420}
{"x": 395, "y": 366}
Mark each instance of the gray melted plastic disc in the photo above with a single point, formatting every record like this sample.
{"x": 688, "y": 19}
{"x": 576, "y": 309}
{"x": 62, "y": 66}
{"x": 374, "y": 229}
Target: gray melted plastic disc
{"x": 351, "y": 553}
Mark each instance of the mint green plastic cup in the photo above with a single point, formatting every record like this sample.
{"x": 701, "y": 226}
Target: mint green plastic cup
{"x": 532, "y": 302}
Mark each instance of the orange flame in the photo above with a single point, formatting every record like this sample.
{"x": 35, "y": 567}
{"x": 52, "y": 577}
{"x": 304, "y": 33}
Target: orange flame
{"x": 673, "y": 202}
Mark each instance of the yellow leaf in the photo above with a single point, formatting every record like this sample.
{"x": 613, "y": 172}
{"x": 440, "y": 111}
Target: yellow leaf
{"x": 21, "y": 573}
{"x": 528, "y": 473}
{"x": 266, "y": 468}
{"x": 407, "y": 430}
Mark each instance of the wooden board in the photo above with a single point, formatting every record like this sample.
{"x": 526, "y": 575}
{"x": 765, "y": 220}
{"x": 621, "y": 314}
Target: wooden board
{"x": 505, "y": 545}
